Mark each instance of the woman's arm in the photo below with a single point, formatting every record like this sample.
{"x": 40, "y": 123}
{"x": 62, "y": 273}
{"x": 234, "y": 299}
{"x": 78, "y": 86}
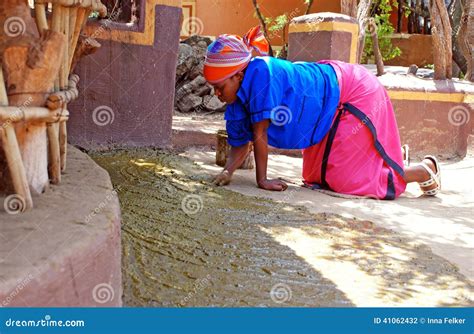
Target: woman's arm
{"x": 235, "y": 159}
{"x": 260, "y": 146}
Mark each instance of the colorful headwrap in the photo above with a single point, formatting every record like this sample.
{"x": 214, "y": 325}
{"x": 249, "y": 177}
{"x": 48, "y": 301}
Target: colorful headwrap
{"x": 229, "y": 54}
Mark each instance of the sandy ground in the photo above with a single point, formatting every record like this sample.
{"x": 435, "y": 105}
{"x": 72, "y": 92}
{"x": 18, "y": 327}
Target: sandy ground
{"x": 445, "y": 223}
{"x": 188, "y": 243}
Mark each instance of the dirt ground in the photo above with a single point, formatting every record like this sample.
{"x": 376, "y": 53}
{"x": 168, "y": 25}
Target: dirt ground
{"x": 188, "y": 243}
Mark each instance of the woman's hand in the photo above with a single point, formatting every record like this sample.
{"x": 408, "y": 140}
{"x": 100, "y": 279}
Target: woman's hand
{"x": 274, "y": 185}
{"x": 223, "y": 178}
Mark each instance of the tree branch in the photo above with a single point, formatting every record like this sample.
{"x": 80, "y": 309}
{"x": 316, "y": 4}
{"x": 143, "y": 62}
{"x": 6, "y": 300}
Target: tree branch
{"x": 264, "y": 25}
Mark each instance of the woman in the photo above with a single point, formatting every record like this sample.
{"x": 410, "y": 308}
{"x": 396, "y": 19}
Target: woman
{"x": 338, "y": 113}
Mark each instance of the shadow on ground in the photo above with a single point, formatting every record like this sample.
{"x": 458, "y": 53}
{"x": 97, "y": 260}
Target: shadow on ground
{"x": 187, "y": 243}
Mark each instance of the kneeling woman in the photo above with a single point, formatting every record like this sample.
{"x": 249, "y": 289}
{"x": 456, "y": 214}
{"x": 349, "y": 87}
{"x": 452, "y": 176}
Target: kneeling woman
{"x": 338, "y": 113}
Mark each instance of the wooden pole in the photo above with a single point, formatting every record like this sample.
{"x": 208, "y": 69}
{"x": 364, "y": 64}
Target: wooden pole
{"x": 15, "y": 165}
{"x": 3, "y": 90}
{"x": 56, "y": 26}
{"x": 73, "y": 16}
{"x": 12, "y": 153}
{"x": 59, "y": 24}
{"x": 33, "y": 115}
{"x": 65, "y": 29}
{"x": 59, "y": 100}
{"x": 41, "y": 20}
{"x": 79, "y": 23}
{"x": 54, "y": 165}
{"x": 63, "y": 144}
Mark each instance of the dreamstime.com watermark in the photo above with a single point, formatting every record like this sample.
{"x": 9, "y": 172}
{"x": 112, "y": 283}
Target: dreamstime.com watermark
{"x": 14, "y": 26}
{"x": 111, "y": 194}
{"x": 103, "y": 293}
{"x": 281, "y": 115}
{"x": 46, "y": 322}
{"x": 103, "y": 115}
{"x": 20, "y": 111}
{"x": 460, "y": 115}
{"x": 276, "y": 32}
{"x": 280, "y": 293}
{"x": 272, "y": 215}
{"x": 192, "y": 204}
{"x": 379, "y": 106}
{"x": 198, "y": 286}
{"x": 17, "y": 290}
{"x": 370, "y": 203}
{"x": 104, "y": 24}
{"x": 14, "y": 204}
{"x": 193, "y": 26}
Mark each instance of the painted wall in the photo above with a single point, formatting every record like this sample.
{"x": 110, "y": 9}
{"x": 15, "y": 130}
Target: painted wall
{"x": 126, "y": 91}
{"x": 237, "y": 17}
{"x": 416, "y": 49}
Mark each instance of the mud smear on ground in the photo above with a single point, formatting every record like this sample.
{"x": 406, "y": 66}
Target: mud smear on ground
{"x": 188, "y": 243}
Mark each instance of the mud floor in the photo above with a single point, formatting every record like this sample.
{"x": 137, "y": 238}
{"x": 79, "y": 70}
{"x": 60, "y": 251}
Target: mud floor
{"x": 188, "y": 243}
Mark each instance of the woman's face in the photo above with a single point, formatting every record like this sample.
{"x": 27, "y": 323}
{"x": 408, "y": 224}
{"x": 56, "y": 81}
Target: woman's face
{"x": 227, "y": 90}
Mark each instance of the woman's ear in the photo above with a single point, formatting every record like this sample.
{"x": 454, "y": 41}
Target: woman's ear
{"x": 240, "y": 76}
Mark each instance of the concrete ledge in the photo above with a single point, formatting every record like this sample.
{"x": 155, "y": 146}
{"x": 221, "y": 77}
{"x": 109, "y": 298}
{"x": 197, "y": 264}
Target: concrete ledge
{"x": 434, "y": 116}
{"x": 67, "y": 250}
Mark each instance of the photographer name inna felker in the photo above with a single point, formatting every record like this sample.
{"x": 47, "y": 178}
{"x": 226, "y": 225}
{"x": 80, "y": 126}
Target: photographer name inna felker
{"x": 415, "y": 321}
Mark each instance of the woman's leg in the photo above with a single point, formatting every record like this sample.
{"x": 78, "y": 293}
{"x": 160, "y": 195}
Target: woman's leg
{"x": 419, "y": 174}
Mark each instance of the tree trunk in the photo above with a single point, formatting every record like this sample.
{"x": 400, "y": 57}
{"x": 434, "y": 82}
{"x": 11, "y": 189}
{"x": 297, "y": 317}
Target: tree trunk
{"x": 455, "y": 17}
{"x": 466, "y": 38}
{"x": 418, "y": 28}
{"x": 264, "y": 26}
{"x": 363, "y": 12}
{"x": 400, "y": 16}
{"x": 349, "y": 7}
{"x": 375, "y": 42}
{"x": 308, "y": 9}
{"x": 442, "y": 40}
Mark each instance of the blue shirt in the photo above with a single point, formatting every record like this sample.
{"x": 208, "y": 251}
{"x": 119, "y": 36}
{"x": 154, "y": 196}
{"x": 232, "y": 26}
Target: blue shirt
{"x": 299, "y": 98}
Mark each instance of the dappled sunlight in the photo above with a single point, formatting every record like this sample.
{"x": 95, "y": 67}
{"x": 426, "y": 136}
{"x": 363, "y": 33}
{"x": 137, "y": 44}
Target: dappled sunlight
{"x": 374, "y": 266}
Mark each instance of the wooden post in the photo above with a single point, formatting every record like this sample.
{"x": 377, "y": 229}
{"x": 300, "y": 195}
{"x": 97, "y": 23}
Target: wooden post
{"x": 56, "y": 26}
{"x": 79, "y": 23}
{"x": 32, "y": 65}
{"x": 15, "y": 165}
{"x": 63, "y": 144}
{"x": 12, "y": 153}
{"x": 223, "y": 149}
{"x": 65, "y": 65}
{"x": 54, "y": 165}
{"x": 41, "y": 20}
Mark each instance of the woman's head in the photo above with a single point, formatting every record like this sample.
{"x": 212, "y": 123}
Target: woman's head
{"x": 226, "y": 59}
{"x": 227, "y": 89}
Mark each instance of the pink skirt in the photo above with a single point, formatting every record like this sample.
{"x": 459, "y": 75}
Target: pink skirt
{"x": 361, "y": 154}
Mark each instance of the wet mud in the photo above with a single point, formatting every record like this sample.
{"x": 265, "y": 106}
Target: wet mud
{"x": 188, "y": 243}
